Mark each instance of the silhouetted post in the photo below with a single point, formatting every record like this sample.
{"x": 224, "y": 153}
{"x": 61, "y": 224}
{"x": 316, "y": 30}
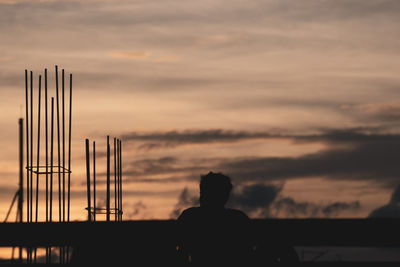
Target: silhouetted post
{"x": 115, "y": 179}
{"x": 120, "y": 175}
{"x": 88, "y": 178}
{"x": 63, "y": 144}
{"x": 27, "y": 144}
{"x": 21, "y": 177}
{"x": 47, "y": 156}
{"x": 38, "y": 151}
{"x": 69, "y": 145}
{"x": 47, "y": 148}
{"x": 30, "y": 200}
{"x": 51, "y": 158}
{"x": 58, "y": 143}
{"x": 94, "y": 181}
{"x": 118, "y": 203}
{"x": 108, "y": 179}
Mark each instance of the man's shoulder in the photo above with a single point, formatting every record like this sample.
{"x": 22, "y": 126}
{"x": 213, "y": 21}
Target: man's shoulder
{"x": 237, "y": 213}
{"x": 189, "y": 212}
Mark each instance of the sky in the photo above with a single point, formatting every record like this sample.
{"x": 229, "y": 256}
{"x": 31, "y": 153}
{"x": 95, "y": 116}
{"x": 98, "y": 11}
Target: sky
{"x": 297, "y": 101}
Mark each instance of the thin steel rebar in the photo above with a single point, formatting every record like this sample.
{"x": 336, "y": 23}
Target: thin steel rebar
{"x": 69, "y": 146}
{"x": 21, "y": 178}
{"x": 30, "y": 200}
{"x": 38, "y": 149}
{"x": 118, "y": 204}
{"x": 27, "y": 144}
{"x": 94, "y": 181}
{"x": 58, "y": 145}
{"x": 47, "y": 147}
{"x": 120, "y": 175}
{"x": 63, "y": 143}
{"x": 115, "y": 178}
{"x": 51, "y": 158}
{"x": 108, "y": 179}
{"x": 88, "y": 178}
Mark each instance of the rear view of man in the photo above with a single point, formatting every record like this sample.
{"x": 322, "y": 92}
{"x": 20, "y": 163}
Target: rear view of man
{"x": 211, "y": 233}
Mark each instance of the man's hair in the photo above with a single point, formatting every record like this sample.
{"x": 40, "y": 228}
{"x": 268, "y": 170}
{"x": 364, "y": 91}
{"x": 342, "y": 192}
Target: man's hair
{"x": 214, "y": 189}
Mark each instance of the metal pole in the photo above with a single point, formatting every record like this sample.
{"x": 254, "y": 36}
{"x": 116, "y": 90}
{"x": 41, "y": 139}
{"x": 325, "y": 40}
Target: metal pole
{"x": 69, "y": 145}
{"x": 94, "y": 181}
{"x": 47, "y": 147}
{"x": 21, "y": 177}
{"x": 88, "y": 178}
{"x": 120, "y": 175}
{"x": 51, "y": 166}
{"x": 31, "y": 155}
{"x": 27, "y": 144}
{"x": 118, "y": 204}
{"x": 108, "y": 179}
{"x": 30, "y": 200}
{"x": 58, "y": 144}
{"x": 115, "y": 179}
{"x": 38, "y": 151}
{"x": 63, "y": 145}
{"x": 51, "y": 158}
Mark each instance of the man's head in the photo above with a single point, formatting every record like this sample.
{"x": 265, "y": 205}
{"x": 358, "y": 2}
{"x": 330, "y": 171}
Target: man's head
{"x": 214, "y": 189}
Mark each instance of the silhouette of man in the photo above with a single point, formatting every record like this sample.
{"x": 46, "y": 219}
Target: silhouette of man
{"x": 212, "y": 234}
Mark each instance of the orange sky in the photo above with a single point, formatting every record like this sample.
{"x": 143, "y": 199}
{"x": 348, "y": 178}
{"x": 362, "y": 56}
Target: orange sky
{"x": 289, "y": 95}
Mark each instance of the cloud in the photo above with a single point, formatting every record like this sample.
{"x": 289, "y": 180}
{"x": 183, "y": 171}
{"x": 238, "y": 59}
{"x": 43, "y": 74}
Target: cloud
{"x": 185, "y": 200}
{"x": 163, "y": 169}
{"x": 351, "y": 154}
{"x": 287, "y": 207}
{"x": 153, "y": 140}
{"x": 140, "y": 55}
{"x": 390, "y": 210}
{"x": 385, "y": 111}
{"x": 136, "y": 210}
{"x": 254, "y": 199}
{"x": 266, "y": 201}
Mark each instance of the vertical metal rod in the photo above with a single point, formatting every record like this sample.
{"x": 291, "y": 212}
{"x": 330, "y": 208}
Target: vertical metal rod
{"x": 118, "y": 204}
{"x": 21, "y": 177}
{"x": 38, "y": 157}
{"x": 120, "y": 175}
{"x": 38, "y": 150}
{"x": 51, "y": 158}
{"x": 63, "y": 143}
{"x": 69, "y": 155}
{"x": 51, "y": 166}
{"x": 59, "y": 157}
{"x": 115, "y": 179}
{"x": 58, "y": 144}
{"x": 47, "y": 147}
{"x": 30, "y": 200}
{"x": 88, "y": 178}
{"x": 31, "y": 155}
{"x": 94, "y": 181}
{"x": 27, "y": 144}
{"x": 69, "y": 145}
{"x": 108, "y": 179}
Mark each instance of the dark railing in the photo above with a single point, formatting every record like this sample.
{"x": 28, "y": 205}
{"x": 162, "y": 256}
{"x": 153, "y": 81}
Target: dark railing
{"x": 150, "y": 242}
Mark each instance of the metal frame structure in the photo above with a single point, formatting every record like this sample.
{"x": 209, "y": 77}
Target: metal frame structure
{"x": 108, "y": 211}
{"x": 49, "y": 169}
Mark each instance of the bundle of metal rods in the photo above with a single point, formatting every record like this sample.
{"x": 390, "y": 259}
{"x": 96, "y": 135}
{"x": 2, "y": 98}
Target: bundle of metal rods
{"x": 49, "y": 169}
{"x": 117, "y": 210}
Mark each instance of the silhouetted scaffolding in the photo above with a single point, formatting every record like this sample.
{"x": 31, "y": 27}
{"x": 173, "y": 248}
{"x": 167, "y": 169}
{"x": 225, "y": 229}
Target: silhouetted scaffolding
{"x": 19, "y": 194}
{"x": 61, "y": 170}
{"x": 108, "y": 210}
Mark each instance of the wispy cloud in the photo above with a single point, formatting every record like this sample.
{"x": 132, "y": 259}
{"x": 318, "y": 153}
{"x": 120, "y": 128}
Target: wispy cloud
{"x": 154, "y": 140}
{"x": 266, "y": 201}
{"x": 140, "y": 55}
{"x": 351, "y": 154}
